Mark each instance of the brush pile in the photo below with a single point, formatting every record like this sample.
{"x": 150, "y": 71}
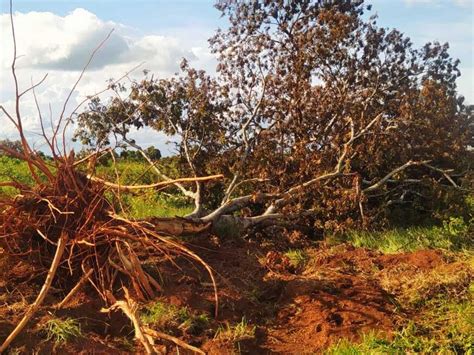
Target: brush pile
{"x": 74, "y": 208}
{"x": 65, "y": 228}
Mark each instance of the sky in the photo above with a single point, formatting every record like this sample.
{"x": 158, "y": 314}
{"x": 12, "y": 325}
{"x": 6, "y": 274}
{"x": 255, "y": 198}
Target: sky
{"x": 57, "y": 37}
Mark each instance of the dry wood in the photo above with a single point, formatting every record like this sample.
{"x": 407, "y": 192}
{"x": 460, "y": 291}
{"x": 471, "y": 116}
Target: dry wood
{"x": 129, "y": 307}
{"x": 179, "y": 342}
{"x": 40, "y": 298}
{"x": 160, "y": 184}
{"x": 76, "y": 288}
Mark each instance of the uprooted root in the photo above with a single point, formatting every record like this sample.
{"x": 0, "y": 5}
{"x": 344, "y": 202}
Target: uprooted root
{"x": 144, "y": 334}
{"x": 71, "y": 213}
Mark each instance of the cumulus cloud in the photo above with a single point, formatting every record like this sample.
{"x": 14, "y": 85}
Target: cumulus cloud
{"x": 61, "y": 45}
{"x": 51, "y": 42}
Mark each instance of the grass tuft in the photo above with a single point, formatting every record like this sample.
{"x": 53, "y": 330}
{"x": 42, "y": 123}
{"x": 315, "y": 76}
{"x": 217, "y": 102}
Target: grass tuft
{"x": 452, "y": 235}
{"x": 297, "y": 257}
{"x": 62, "y": 331}
{"x": 163, "y": 315}
{"x": 448, "y": 328}
{"x": 237, "y": 332}
{"x": 449, "y": 281}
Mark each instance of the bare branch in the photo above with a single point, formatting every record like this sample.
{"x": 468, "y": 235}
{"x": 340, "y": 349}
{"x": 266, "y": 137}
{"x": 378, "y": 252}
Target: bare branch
{"x": 33, "y": 86}
{"x": 382, "y": 181}
{"x": 61, "y": 116}
{"x": 160, "y": 184}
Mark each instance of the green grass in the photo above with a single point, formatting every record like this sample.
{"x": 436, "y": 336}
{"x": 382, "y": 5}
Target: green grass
{"x": 61, "y": 331}
{"x": 447, "y": 328}
{"x": 163, "y": 315}
{"x": 132, "y": 172}
{"x": 151, "y": 204}
{"x": 237, "y": 332}
{"x": 146, "y": 204}
{"x": 452, "y": 235}
{"x": 13, "y": 169}
{"x": 298, "y": 257}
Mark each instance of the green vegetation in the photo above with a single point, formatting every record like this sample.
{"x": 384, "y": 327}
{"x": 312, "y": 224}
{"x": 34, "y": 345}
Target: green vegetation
{"x": 153, "y": 204}
{"x": 61, "y": 331}
{"x": 13, "y": 169}
{"x": 447, "y": 328}
{"x": 144, "y": 204}
{"x": 163, "y": 315}
{"x": 147, "y": 203}
{"x": 441, "y": 282}
{"x": 297, "y": 257}
{"x": 453, "y": 235}
{"x": 237, "y": 332}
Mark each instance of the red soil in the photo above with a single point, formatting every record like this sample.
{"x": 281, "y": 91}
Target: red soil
{"x": 337, "y": 295}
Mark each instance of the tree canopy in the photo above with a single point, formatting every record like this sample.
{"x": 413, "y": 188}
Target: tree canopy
{"x": 315, "y": 111}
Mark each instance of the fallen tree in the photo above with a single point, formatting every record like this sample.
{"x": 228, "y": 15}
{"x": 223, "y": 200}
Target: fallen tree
{"x": 315, "y": 115}
{"x": 315, "y": 112}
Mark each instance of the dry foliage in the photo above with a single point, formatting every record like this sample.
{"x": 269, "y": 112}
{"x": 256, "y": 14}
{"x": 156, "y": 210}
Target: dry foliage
{"x": 316, "y": 114}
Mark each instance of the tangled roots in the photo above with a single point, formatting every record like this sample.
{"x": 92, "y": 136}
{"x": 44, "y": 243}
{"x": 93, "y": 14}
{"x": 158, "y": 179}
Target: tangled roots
{"x": 97, "y": 241}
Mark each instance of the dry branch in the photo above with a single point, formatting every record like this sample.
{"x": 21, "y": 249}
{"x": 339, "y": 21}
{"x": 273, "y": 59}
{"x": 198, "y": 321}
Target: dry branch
{"x": 67, "y": 200}
{"x": 40, "y": 298}
{"x": 160, "y": 184}
{"x": 129, "y": 307}
{"x": 179, "y": 342}
{"x": 76, "y": 288}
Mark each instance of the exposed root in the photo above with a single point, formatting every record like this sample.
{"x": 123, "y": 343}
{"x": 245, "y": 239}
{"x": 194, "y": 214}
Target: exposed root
{"x": 179, "y": 342}
{"x": 40, "y": 298}
{"x": 129, "y": 307}
{"x": 66, "y": 221}
{"x": 73, "y": 291}
{"x": 101, "y": 247}
{"x": 144, "y": 334}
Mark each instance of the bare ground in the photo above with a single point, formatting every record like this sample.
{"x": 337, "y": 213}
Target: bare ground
{"x": 338, "y": 292}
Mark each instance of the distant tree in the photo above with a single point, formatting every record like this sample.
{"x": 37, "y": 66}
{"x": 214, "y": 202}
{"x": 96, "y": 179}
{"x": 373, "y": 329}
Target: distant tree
{"x": 13, "y": 145}
{"x": 316, "y": 113}
{"x": 153, "y": 153}
{"x": 130, "y": 155}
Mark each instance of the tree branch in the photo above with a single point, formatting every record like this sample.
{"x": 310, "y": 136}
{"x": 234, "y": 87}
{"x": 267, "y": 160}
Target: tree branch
{"x": 160, "y": 184}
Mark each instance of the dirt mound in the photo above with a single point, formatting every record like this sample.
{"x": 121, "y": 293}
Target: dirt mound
{"x": 422, "y": 259}
{"x": 344, "y": 258}
{"x": 295, "y": 312}
{"x": 315, "y": 313}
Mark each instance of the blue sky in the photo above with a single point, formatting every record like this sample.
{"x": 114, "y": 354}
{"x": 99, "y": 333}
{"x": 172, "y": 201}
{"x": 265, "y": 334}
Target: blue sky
{"x": 56, "y": 36}
{"x": 146, "y": 15}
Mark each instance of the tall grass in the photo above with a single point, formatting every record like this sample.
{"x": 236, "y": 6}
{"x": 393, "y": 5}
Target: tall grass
{"x": 453, "y": 235}
{"x": 151, "y": 204}
{"x": 147, "y": 203}
{"x": 13, "y": 169}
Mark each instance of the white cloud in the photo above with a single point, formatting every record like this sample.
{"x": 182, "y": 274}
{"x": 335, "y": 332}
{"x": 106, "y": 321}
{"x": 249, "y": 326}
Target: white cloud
{"x": 48, "y": 41}
{"x": 61, "y": 45}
